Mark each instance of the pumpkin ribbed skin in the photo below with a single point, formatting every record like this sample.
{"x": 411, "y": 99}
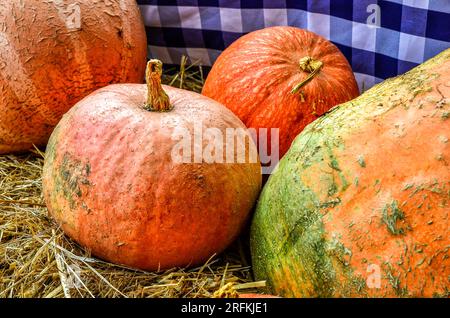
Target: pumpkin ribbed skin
{"x": 364, "y": 190}
{"x": 255, "y": 75}
{"x": 110, "y": 181}
{"x": 48, "y": 61}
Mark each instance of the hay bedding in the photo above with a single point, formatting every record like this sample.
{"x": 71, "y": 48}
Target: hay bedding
{"x": 38, "y": 260}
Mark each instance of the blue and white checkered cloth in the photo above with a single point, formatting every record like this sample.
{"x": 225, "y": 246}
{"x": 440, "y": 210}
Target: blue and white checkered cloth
{"x": 380, "y": 39}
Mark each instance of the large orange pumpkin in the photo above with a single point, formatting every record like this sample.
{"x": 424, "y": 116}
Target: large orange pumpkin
{"x": 281, "y": 77}
{"x": 53, "y": 53}
{"x": 111, "y": 179}
{"x": 359, "y": 206}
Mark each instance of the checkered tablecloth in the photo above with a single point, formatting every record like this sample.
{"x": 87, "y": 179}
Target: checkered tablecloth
{"x": 380, "y": 38}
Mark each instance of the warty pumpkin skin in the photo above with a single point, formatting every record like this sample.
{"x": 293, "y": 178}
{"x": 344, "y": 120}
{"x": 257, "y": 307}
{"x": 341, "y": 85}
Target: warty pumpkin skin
{"x": 359, "y": 206}
{"x": 110, "y": 181}
{"x": 255, "y": 76}
{"x": 50, "y": 59}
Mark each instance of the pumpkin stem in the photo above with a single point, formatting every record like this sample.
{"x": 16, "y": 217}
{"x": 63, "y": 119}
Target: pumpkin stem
{"x": 310, "y": 65}
{"x": 157, "y": 98}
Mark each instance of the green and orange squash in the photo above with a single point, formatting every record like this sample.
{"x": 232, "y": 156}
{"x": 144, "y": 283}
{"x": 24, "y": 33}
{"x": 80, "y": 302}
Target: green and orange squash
{"x": 359, "y": 206}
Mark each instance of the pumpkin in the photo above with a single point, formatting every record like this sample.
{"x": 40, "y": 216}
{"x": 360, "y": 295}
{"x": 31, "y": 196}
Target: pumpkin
{"x": 53, "y": 53}
{"x": 359, "y": 206}
{"x": 282, "y": 78}
{"x": 117, "y": 181}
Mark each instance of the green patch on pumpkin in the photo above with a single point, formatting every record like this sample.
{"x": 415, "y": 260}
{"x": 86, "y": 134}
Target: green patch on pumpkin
{"x": 391, "y": 215}
{"x": 361, "y": 161}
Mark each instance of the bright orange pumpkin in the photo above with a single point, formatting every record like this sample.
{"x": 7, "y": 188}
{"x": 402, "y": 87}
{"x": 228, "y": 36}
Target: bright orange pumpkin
{"x": 111, "y": 181}
{"x": 255, "y": 77}
{"x": 53, "y": 53}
